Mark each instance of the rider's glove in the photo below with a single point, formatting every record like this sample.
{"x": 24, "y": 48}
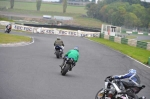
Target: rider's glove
{"x": 65, "y": 57}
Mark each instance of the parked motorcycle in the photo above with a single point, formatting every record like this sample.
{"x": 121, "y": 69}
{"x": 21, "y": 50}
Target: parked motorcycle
{"x": 58, "y": 51}
{"x": 67, "y": 66}
{"x": 114, "y": 89}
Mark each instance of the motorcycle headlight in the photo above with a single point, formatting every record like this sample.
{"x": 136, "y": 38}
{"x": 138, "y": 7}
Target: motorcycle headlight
{"x": 100, "y": 94}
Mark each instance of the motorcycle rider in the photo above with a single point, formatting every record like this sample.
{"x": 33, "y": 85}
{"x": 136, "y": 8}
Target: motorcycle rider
{"x": 74, "y": 53}
{"x": 134, "y": 79}
{"x": 59, "y": 43}
{"x": 8, "y": 27}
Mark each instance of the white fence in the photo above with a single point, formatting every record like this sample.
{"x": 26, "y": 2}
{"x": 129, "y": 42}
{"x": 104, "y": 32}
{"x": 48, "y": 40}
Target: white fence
{"x": 55, "y": 31}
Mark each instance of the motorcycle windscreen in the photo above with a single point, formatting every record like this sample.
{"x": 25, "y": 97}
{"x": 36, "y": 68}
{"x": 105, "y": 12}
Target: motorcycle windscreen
{"x": 136, "y": 79}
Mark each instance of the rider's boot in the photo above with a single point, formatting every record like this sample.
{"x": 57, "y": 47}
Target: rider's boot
{"x": 62, "y": 64}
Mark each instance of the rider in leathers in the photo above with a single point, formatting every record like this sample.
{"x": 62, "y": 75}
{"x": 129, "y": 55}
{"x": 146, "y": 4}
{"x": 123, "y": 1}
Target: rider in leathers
{"x": 74, "y": 53}
{"x": 59, "y": 43}
{"x": 134, "y": 79}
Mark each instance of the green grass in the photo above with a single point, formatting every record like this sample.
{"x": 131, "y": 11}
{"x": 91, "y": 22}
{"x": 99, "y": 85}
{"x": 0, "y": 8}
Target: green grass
{"x": 5, "y": 19}
{"x": 29, "y": 8}
{"x": 2, "y": 27}
{"x": 51, "y": 7}
{"x": 131, "y": 37}
{"x": 9, "y": 38}
{"x": 139, "y": 54}
{"x": 146, "y": 41}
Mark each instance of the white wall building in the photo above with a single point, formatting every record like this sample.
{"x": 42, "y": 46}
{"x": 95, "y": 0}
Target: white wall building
{"x": 50, "y": 0}
{"x": 145, "y": 1}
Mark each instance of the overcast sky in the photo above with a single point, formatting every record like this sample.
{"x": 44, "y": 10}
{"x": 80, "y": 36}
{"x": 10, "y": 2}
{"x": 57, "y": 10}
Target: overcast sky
{"x": 146, "y": 0}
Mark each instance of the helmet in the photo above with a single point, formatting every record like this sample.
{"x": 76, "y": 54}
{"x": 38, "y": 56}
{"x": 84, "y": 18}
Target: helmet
{"x": 58, "y": 38}
{"x": 132, "y": 71}
{"x": 76, "y": 48}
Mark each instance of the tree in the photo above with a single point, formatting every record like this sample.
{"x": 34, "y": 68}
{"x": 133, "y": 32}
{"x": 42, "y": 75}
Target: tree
{"x": 11, "y": 4}
{"x": 131, "y": 20}
{"x": 38, "y": 4}
{"x": 129, "y": 13}
{"x": 64, "y": 6}
{"x": 92, "y": 10}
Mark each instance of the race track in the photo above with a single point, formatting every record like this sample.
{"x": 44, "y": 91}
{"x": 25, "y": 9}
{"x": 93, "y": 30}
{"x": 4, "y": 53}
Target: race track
{"x": 33, "y": 72}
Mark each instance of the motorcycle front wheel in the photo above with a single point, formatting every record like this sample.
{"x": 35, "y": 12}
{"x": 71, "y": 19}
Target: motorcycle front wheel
{"x": 100, "y": 94}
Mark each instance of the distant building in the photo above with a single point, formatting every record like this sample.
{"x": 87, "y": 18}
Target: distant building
{"x": 96, "y": 1}
{"x": 51, "y": 0}
{"x": 145, "y": 1}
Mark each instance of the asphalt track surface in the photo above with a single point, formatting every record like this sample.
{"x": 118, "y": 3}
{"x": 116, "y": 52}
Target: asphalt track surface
{"x": 32, "y": 71}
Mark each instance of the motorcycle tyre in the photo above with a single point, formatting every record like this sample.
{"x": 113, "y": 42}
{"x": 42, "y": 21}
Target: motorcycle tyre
{"x": 65, "y": 69}
{"x": 57, "y": 54}
{"x": 96, "y": 96}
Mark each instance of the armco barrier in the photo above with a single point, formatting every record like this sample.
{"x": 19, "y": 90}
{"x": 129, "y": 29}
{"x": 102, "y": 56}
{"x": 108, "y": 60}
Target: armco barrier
{"x": 131, "y": 42}
{"x": 117, "y": 39}
{"x": 149, "y": 61}
{"x": 70, "y": 27}
{"x": 148, "y": 46}
{"x": 145, "y": 33}
{"x": 106, "y": 37}
{"x": 111, "y": 38}
{"x": 101, "y": 35}
{"x": 141, "y": 44}
{"x": 55, "y": 31}
{"x": 134, "y": 32}
{"x": 130, "y": 32}
{"x": 124, "y": 41}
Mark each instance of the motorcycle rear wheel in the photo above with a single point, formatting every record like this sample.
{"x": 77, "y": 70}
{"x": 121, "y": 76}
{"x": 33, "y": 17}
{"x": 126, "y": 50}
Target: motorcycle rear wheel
{"x": 65, "y": 69}
{"x": 57, "y": 54}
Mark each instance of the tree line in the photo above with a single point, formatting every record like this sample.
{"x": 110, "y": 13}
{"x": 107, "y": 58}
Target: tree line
{"x": 38, "y": 4}
{"x": 128, "y": 13}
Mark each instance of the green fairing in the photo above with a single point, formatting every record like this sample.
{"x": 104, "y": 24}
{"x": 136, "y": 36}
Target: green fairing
{"x": 73, "y": 54}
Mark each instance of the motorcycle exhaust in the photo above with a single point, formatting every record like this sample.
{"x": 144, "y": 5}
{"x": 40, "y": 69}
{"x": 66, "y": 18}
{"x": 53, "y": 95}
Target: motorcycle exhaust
{"x": 143, "y": 97}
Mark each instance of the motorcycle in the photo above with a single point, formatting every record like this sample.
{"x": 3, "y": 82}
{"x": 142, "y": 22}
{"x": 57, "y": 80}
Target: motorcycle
{"x": 67, "y": 66}
{"x": 7, "y": 30}
{"x": 114, "y": 89}
{"x": 58, "y": 51}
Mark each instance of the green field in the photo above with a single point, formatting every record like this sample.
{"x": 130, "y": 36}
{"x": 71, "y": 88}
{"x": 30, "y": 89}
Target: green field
{"x": 131, "y": 37}
{"x": 139, "y": 54}
{"x": 146, "y": 41}
{"x": 48, "y": 7}
{"x": 9, "y": 38}
{"x": 29, "y": 8}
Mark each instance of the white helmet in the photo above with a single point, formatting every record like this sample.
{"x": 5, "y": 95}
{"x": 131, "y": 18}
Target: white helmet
{"x": 132, "y": 71}
{"x": 76, "y": 48}
{"x": 58, "y": 38}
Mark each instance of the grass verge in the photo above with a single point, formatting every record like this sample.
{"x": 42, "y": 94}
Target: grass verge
{"x": 9, "y": 38}
{"x": 5, "y": 19}
{"x": 139, "y": 54}
{"x": 2, "y": 27}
